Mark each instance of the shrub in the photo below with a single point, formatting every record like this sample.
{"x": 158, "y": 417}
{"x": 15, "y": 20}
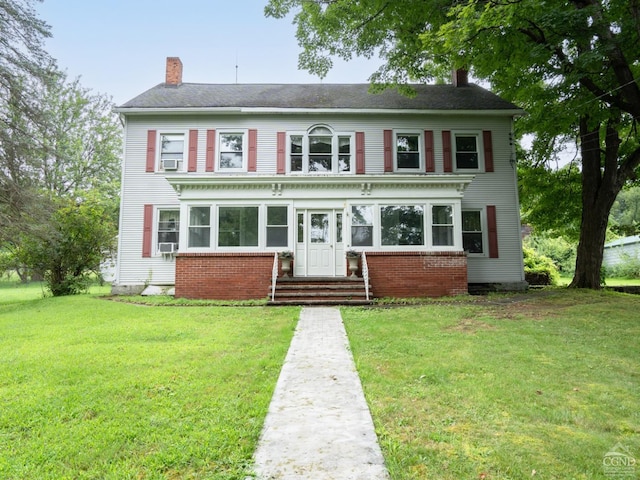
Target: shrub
{"x": 558, "y": 249}
{"x": 539, "y": 269}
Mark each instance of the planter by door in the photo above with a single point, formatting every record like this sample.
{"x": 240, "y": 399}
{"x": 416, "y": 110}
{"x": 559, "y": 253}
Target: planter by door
{"x": 353, "y": 265}
{"x": 285, "y": 265}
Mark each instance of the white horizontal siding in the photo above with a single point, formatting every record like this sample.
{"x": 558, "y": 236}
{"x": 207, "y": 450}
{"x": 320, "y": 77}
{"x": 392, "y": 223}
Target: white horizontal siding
{"x": 615, "y": 255}
{"x": 140, "y": 188}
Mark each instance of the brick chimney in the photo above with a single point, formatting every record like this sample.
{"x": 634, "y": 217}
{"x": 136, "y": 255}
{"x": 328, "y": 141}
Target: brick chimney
{"x": 460, "y": 77}
{"x": 174, "y": 71}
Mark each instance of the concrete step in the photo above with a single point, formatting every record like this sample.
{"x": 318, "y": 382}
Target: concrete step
{"x": 317, "y": 302}
{"x": 320, "y": 291}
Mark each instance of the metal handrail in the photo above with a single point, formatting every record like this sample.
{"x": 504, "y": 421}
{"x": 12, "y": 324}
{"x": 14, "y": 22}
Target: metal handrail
{"x": 365, "y": 274}
{"x": 274, "y": 276}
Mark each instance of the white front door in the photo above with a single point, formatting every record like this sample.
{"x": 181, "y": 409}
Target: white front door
{"x": 320, "y": 245}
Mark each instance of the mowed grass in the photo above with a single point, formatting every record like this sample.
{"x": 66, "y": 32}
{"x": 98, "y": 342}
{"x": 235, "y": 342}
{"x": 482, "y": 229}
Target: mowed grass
{"x": 541, "y": 385}
{"x": 96, "y": 389}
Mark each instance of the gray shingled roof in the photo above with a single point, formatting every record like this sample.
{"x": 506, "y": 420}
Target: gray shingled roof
{"x": 310, "y": 96}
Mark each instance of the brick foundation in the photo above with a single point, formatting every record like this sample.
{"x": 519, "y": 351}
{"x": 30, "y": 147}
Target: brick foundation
{"x": 244, "y": 276}
{"x": 417, "y": 274}
{"x": 223, "y": 276}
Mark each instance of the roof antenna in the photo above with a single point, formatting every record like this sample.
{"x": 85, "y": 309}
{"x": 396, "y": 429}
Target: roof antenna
{"x": 236, "y": 67}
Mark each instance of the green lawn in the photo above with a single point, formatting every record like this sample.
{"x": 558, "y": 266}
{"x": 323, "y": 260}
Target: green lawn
{"x": 609, "y": 281}
{"x": 538, "y": 385}
{"x": 541, "y": 385}
{"x": 91, "y": 388}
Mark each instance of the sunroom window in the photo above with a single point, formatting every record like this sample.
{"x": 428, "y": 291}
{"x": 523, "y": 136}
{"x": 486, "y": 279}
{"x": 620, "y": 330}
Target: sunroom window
{"x": 200, "y": 227}
{"x": 238, "y": 226}
{"x": 361, "y": 225}
{"x": 442, "y": 225}
{"x": 277, "y": 226}
{"x": 402, "y": 225}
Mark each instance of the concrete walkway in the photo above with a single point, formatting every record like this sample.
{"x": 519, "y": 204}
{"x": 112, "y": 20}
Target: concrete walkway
{"x": 318, "y": 426}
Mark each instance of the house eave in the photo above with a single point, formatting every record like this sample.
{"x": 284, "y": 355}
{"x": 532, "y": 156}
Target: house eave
{"x": 276, "y": 183}
{"x": 307, "y": 111}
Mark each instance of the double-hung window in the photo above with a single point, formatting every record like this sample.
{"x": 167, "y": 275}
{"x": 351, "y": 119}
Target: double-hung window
{"x": 321, "y": 150}
{"x": 467, "y": 151}
{"x": 362, "y": 225}
{"x": 168, "y": 230}
{"x": 408, "y": 152}
{"x": 442, "y": 225}
{"x": 232, "y": 151}
{"x": 277, "y": 226}
{"x": 472, "y": 237}
{"x": 171, "y": 151}
{"x": 200, "y": 227}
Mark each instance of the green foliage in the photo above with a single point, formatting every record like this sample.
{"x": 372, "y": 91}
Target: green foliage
{"x": 6, "y": 262}
{"x": 558, "y": 249}
{"x": 538, "y": 269}
{"x": 71, "y": 247}
{"x": 24, "y": 64}
{"x": 624, "y": 219}
{"x": 629, "y": 267}
{"x": 550, "y": 200}
{"x": 60, "y": 174}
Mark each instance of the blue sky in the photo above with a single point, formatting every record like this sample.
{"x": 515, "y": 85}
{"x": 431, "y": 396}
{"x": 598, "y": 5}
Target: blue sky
{"x": 119, "y": 47}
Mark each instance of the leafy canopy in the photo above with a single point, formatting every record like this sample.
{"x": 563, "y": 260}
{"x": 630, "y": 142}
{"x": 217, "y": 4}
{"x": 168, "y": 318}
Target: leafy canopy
{"x": 573, "y": 65}
{"x": 552, "y": 58}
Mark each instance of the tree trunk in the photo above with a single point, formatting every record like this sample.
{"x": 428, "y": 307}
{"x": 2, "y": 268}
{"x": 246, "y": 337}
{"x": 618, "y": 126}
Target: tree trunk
{"x": 601, "y": 183}
{"x": 590, "y": 249}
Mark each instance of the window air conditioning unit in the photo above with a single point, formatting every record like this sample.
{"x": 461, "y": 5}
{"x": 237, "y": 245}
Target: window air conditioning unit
{"x": 167, "y": 247}
{"x": 170, "y": 164}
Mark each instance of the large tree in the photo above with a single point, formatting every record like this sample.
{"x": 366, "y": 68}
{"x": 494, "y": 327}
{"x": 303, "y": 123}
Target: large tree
{"x": 25, "y": 71}
{"x": 59, "y": 158}
{"x": 573, "y": 65}
{"x": 68, "y": 159}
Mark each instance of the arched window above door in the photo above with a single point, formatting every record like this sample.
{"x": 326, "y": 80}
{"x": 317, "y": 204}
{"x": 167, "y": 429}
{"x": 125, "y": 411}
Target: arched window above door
{"x": 321, "y": 150}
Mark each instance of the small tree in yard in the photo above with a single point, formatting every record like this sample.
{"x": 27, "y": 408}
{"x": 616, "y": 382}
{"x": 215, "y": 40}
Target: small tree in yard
{"x": 70, "y": 248}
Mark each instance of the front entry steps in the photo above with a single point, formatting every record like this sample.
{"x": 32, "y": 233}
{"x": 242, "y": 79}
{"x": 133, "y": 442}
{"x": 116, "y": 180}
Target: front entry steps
{"x": 320, "y": 291}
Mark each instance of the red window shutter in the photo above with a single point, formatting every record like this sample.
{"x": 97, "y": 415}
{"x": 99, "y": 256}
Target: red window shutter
{"x": 193, "y": 151}
{"x": 210, "y": 158}
{"x": 147, "y": 230}
{"x": 360, "y": 153}
{"x": 253, "y": 151}
{"x": 430, "y": 164}
{"x": 493, "y": 231}
{"x": 488, "y": 150}
{"x": 151, "y": 151}
{"x": 446, "y": 151}
{"x": 388, "y": 150}
{"x": 281, "y": 152}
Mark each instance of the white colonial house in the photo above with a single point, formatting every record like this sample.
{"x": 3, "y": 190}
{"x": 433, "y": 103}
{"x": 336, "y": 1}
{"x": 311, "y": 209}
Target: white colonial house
{"x": 219, "y": 179}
